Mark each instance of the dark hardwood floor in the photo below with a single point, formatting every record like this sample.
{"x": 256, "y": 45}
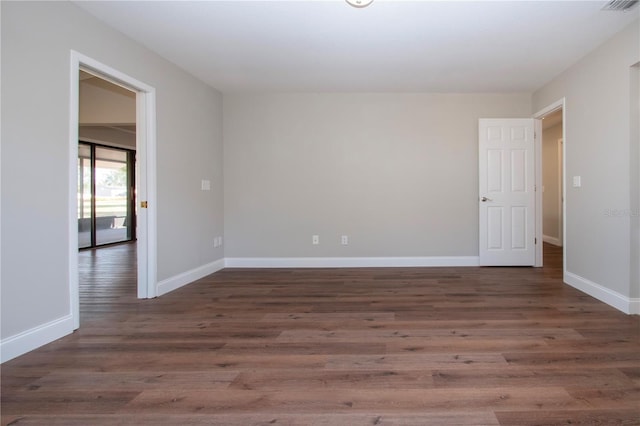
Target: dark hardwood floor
{"x": 389, "y": 346}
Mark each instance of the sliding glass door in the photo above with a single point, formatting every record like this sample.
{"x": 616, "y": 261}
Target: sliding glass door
{"x": 85, "y": 198}
{"x": 106, "y": 201}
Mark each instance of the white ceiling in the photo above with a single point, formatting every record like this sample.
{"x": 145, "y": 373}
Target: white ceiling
{"x": 392, "y": 45}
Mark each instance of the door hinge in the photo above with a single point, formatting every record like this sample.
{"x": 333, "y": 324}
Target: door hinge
{"x": 535, "y": 241}
{"x": 143, "y": 204}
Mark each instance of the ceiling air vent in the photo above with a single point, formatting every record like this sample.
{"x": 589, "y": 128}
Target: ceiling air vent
{"x": 620, "y": 5}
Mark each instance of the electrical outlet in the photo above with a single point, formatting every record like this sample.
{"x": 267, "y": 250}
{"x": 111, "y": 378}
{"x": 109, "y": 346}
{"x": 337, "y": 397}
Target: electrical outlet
{"x": 315, "y": 240}
{"x": 344, "y": 240}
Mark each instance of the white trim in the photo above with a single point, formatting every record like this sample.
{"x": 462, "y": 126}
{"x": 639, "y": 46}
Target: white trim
{"x": 72, "y": 231}
{"x": 603, "y": 294}
{"x": 29, "y": 340}
{"x": 146, "y": 191}
{"x": 175, "y": 282}
{"x": 349, "y": 262}
{"x": 560, "y": 103}
{"x": 152, "y": 182}
{"x": 552, "y": 240}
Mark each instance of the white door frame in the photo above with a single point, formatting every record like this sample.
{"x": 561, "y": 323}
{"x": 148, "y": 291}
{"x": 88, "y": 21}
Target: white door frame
{"x": 145, "y": 176}
{"x": 559, "y": 104}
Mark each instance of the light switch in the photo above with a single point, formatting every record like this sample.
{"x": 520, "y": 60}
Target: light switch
{"x": 577, "y": 182}
{"x": 206, "y": 185}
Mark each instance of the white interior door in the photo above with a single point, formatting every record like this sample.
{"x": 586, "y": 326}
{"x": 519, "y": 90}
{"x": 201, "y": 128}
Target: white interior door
{"x": 507, "y": 192}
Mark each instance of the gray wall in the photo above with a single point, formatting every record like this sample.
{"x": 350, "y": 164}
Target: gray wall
{"x": 107, "y": 136}
{"x": 597, "y": 128}
{"x": 102, "y": 102}
{"x": 103, "y": 105}
{"x": 36, "y": 42}
{"x": 397, "y": 173}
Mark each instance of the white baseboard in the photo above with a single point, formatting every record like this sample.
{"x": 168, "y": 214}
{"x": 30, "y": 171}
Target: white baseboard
{"x": 173, "y": 283}
{"x": 552, "y": 240}
{"x": 29, "y": 340}
{"x": 348, "y": 262}
{"x": 608, "y": 296}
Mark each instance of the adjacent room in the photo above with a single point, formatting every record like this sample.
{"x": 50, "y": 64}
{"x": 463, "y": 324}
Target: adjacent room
{"x": 311, "y": 212}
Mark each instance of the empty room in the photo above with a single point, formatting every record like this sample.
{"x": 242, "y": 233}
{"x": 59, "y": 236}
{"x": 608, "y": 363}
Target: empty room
{"x": 320, "y": 212}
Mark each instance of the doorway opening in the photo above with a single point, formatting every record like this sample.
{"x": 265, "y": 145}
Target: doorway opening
{"x": 143, "y": 215}
{"x": 552, "y": 187}
{"x": 106, "y": 163}
{"x": 551, "y": 180}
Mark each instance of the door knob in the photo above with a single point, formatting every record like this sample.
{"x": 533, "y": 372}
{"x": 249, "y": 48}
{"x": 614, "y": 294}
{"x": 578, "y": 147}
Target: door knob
{"x": 485, "y": 199}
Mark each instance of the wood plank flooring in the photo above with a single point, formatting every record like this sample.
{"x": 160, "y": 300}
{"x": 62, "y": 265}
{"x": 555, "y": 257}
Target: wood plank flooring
{"x": 388, "y": 346}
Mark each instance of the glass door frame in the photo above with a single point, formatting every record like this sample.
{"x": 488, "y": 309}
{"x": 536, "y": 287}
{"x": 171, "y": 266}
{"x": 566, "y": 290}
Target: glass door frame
{"x": 130, "y": 197}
